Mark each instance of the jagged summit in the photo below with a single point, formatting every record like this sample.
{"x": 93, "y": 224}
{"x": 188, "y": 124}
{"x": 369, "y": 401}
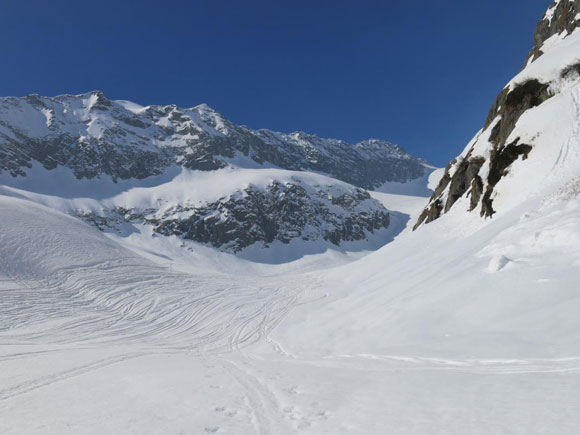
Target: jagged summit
{"x": 96, "y": 136}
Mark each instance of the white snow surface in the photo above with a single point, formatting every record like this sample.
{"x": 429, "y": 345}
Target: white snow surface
{"x": 466, "y": 326}
{"x": 179, "y": 187}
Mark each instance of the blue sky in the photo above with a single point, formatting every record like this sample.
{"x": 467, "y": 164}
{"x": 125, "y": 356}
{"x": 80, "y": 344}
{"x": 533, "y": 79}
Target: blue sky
{"x": 419, "y": 73}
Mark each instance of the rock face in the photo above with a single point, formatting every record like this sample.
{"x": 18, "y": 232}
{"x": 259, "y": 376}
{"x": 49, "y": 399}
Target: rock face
{"x": 279, "y": 211}
{"x": 475, "y": 174}
{"x": 562, "y": 16}
{"x": 95, "y": 136}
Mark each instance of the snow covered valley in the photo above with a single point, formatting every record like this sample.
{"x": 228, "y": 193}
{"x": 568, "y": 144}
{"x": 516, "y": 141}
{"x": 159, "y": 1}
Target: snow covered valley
{"x": 164, "y": 271}
{"x": 97, "y": 337}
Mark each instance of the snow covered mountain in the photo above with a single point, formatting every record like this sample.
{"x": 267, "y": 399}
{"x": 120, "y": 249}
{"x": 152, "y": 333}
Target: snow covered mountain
{"x": 95, "y": 136}
{"x": 517, "y": 151}
{"x": 468, "y": 325}
{"x": 496, "y": 271}
{"x": 192, "y": 173}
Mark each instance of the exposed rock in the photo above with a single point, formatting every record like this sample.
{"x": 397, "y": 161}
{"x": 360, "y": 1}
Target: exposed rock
{"x": 571, "y": 71}
{"x": 500, "y": 160}
{"x": 561, "y": 17}
{"x": 431, "y": 213}
{"x": 279, "y": 212}
{"x": 462, "y": 177}
{"x": 452, "y": 187}
{"x": 513, "y": 104}
{"x": 508, "y": 108}
{"x": 94, "y": 136}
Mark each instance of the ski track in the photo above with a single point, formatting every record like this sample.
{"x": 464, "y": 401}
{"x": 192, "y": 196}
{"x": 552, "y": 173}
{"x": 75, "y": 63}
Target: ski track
{"x": 153, "y": 313}
{"x": 572, "y": 141}
{"x": 150, "y": 311}
{"x": 44, "y": 381}
{"x": 169, "y": 310}
{"x": 267, "y": 416}
{"x": 496, "y": 366}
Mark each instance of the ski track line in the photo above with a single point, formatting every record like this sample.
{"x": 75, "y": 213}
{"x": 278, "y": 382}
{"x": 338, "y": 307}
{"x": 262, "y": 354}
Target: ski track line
{"x": 268, "y": 418}
{"x": 45, "y": 381}
{"x": 574, "y": 138}
{"x": 79, "y": 306}
{"x": 491, "y": 367}
{"x": 110, "y": 304}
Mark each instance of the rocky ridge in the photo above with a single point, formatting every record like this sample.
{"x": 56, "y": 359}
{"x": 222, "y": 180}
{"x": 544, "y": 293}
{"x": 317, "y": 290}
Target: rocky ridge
{"x": 98, "y": 140}
{"x": 95, "y": 136}
{"x": 562, "y": 16}
{"x": 487, "y": 159}
{"x": 279, "y": 211}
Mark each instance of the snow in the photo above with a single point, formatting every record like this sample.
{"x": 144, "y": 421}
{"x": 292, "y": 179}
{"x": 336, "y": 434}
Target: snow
{"x": 466, "y": 326}
{"x": 60, "y": 190}
{"x": 422, "y": 186}
{"x": 559, "y": 52}
{"x": 549, "y": 15}
{"x": 130, "y": 106}
{"x": 497, "y": 263}
{"x": 96, "y": 335}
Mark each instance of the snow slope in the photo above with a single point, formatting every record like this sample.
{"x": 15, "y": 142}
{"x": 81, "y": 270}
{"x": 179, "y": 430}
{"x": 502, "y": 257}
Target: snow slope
{"x": 480, "y": 338}
{"x": 528, "y": 144}
{"x": 464, "y": 326}
{"x": 66, "y": 282}
{"x": 307, "y": 213}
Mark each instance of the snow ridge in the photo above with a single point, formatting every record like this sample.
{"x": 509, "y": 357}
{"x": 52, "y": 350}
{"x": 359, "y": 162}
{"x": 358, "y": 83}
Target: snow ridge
{"x": 95, "y": 136}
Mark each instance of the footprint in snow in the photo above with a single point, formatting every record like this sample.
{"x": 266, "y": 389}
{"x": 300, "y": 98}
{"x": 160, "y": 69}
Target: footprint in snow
{"x": 322, "y": 415}
{"x": 212, "y": 429}
{"x": 293, "y": 390}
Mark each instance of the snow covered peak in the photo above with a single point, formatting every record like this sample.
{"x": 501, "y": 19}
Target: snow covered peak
{"x": 203, "y": 107}
{"x": 96, "y": 136}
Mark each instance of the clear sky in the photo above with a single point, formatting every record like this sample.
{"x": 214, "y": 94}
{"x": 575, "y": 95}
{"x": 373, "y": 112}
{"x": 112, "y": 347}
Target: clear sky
{"x": 420, "y": 73}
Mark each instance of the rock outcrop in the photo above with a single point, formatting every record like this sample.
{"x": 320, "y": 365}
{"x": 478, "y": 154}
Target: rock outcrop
{"x": 562, "y": 16}
{"x": 277, "y": 212}
{"x": 475, "y": 174}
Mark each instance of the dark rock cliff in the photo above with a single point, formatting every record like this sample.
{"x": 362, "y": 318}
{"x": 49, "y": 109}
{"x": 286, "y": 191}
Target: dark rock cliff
{"x": 462, "y": 177}
{"x": 279, "y": 212}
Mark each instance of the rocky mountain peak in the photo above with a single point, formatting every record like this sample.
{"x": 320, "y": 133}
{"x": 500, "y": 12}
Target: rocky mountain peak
{"x": 95, "y": 136}
{"x": 562, "y": 16}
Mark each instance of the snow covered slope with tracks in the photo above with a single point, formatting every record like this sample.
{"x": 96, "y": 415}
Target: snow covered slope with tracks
{"x": 465, "y": 326}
